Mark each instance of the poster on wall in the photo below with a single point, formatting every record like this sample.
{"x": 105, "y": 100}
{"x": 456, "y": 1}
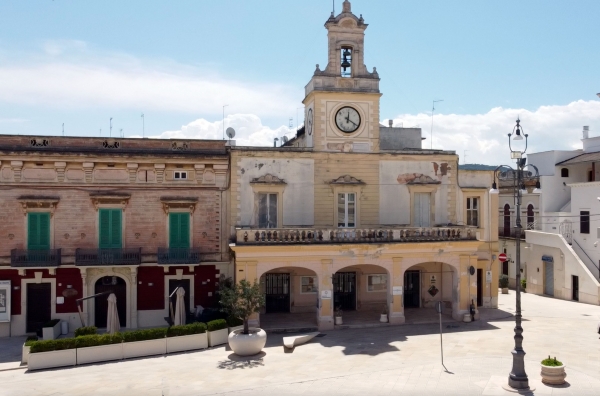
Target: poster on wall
{"x": 4, "y": 301}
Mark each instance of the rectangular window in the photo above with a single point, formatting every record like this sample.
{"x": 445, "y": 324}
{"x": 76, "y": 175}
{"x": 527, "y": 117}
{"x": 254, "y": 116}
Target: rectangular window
{"x": 584, "y": 222}
{"x": 267, "y": 210}
{"x": 473, "y": 212}
{"x": 110, "y": 228}
{"x": 309, "y": 284}
{"x": 38, "y": 231}
{"x": 179, "y": 230}
{"x": 347, "y": 210}
{"x": 180, "y": 175}
{"x": 422, "y": 210}
{"x": 377, "y": 283}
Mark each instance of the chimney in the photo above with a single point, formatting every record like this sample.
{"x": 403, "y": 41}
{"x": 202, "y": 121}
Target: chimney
{"x": 586, "y": 132}
{"x": 391, "y": 123}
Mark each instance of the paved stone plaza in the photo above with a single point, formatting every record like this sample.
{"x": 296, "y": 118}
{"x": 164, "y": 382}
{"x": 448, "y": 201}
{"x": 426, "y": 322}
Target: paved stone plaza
{"x": 372, "y": 361}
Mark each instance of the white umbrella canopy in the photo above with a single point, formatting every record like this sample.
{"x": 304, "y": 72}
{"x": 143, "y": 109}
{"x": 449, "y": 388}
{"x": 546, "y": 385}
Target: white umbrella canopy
{"x": 180, "y": 308}
{"x": 112, "y": 321}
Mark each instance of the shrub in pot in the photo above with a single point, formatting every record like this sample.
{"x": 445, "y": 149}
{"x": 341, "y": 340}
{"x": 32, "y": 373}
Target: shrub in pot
{"x": 241, "y": 300}
{"x": 88, "y": 330}
{"x": 338, "y": 316}
{"x": 553, "y": 371}
{"x": 523, "y": 284}
{"x": 217, "y": 332}
{"x": 504, "y": 283}
{"x": 51, "y": 329}
{"x": 26, "y": 348}
{"x": 187, "y": 337}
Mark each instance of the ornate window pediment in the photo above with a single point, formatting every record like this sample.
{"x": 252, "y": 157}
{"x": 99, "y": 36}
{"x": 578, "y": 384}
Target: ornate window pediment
{"x": 347, "y": 180}
{"x": 108, "y": 198}
{"x": 187, "y": 203}
{"x": 268, "y": 179}
{"x": 38, "y": 202}
{"x": 423, "y": 179}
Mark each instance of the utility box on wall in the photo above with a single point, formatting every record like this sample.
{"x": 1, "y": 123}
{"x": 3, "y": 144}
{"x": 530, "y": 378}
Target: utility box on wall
{"x": 5, "y": 301}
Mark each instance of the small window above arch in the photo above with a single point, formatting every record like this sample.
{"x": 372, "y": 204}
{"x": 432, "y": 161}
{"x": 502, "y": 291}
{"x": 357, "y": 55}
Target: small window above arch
{"x": 564, "y": 172}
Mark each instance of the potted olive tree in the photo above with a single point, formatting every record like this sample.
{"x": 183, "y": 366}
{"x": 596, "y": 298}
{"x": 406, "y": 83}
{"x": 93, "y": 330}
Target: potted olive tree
{"x": 241, "y": 300}
{"x": 504, "y": 283}
{"x": 553, "y": 371}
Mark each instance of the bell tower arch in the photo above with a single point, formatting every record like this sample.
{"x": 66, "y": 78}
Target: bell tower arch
{"x": 342, "y": 101}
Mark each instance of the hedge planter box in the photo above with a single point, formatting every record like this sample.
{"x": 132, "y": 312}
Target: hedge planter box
{"x": 144, "y": 348}
{"x": 43, "y": 360}
{"x": 102, "y": 353}
{"x": 218, "y": 337}
{"x": 51, "y": 333}
{"x": 25, "y": 354}
{"x": 187, "y": 343}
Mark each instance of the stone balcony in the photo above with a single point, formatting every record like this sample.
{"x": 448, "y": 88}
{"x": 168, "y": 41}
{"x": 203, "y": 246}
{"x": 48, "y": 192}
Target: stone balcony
{"x": 273, "y": 236}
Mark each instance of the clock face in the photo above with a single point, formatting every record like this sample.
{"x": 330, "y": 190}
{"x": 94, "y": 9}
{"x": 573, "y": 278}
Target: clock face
{"x": 309, "y": 121}
{"x": 347, "y": 119}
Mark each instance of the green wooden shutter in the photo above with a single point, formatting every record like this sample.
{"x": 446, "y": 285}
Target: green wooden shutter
{"x": 38, "y": 231}
{"x": 110, "y": 228}
{"x": 179, "y": 230}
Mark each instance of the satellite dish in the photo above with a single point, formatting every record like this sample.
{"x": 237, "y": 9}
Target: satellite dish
{"x": 285, "y": 139}
{"x": 230, "y": 133}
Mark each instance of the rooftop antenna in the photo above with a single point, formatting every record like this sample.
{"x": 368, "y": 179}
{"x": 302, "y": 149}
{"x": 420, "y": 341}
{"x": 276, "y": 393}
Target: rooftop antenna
{"x": 224, "y": 121}
{"x": 230, "y": 133}
{"x": 121, "y": 132}
{"x": 285, "y": 140}
{"x": 297, "y": 123}
{"x": 110, "y": 132}
{"x": 275, "y": 142}
{"x": 63, "y": 129}
{"x": 291, "y": 123}
{"x": 333, "y": 12}
{"x": 100, "y": 132}
{"x": 432, "y": 110}
{"x": 143, "y": 129}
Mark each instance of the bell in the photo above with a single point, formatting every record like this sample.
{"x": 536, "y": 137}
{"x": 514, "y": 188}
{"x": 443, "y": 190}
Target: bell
{"x": 345, "y": 63}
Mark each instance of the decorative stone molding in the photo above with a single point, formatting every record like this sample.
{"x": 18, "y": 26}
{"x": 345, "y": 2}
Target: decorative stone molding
{"x": 111, "y": 144}
{"x": 38, "y": 202}
{"x": 88, "y": 168}
{"x": 268, "y": 179}
{"x": 180, "y": 146}
{"x": 17, "y": 167}
{"x": 60, "y": 171}
{"x": 170, "y": 203}
{"x": 220, "y": 174}
{"x": 39, "y": 142}
{"x": 423, "y": 179}
{"x": 104, "y": 198}
{"x": 347, "y": 179}
{"x": 132, "y": 168}
{"x": 160, "y": 172}
{"x": 199, "y": 172}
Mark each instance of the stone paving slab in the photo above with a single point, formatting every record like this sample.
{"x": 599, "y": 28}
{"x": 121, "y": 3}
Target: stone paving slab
{"x": 379, "y": 361}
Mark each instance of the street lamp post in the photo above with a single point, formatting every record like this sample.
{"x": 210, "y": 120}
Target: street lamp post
{"x": 518, "y": 377}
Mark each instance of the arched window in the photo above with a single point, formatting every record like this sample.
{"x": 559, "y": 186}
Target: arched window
{"x": 507, "y": 220}
{"x": 530, "y": 218}
{"x": 564, "y": 172}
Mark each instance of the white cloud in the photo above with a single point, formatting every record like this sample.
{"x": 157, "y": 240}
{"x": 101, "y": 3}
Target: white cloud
{"x": 248, "y": 127}
{"x": 484, "y": 136}
{"x": 69, "y": 75}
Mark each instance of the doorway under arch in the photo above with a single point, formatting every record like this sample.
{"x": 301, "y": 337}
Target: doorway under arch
{"x": 116, "y": 285}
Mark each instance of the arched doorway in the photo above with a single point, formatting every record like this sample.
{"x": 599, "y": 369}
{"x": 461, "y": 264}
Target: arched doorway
{"x": 291, "y": 298}
{"x": 507, "y": 220}
{"x": 116, "y": 285}
{"x": 426, "y": 284}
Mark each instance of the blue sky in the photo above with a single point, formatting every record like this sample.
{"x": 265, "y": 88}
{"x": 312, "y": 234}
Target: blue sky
{"x": 179, "y": 62}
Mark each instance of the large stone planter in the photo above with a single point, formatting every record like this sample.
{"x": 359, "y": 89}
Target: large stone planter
{"x": 505, "y": 290}
{"x": 51, "y": 333}
{"x": 43, "y": 360}
{"x": 144, "y": 348}
{"x": 218, "y": 337}
{"x": 187, "y": 343}
{"x": 553, "y": 375}
{"x": 247, "y": 344}
{"x": 102, "y": 353}
{"x": 25, "y": 354}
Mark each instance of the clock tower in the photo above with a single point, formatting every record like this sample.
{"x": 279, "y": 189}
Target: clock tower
{"x": 342, "y": 101}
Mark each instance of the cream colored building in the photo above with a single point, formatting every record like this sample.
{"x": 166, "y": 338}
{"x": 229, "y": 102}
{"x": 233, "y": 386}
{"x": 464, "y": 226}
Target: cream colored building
{"x": 354, "y": 215}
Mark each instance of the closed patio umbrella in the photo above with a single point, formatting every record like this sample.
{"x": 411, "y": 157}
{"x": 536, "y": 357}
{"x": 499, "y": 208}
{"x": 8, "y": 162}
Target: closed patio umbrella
{"x": 112, "y": 321}
{"x": 180, "y": 308}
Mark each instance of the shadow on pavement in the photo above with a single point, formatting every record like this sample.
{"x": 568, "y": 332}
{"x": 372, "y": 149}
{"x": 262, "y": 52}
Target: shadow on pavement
{"x": 242, "y": 362}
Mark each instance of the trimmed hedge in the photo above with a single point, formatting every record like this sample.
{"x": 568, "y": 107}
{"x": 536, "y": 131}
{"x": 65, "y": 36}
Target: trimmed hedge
{"x": 144, "y": 335}
{"x": 51, "y": 323}
{"x": 233, "y": 321}
{"x": 189, "y": 329}
{"x": 30, "y": 340}
{"x": 83, "y": 331}
{"x": 53, "y": 345}
{"x": 215, "y": 325}
{"x": 93, "y": 340}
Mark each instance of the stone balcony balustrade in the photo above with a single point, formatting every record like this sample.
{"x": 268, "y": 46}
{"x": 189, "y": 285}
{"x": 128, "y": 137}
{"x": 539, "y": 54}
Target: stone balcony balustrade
{"x": 258, "y": 236}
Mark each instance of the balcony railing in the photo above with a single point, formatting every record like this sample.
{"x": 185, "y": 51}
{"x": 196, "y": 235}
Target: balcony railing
{"x": 178, "y": 256}
{"x": 35, "y": 258}
{"x": 108, "y": 256}
{"x": 353, "y": 235}
{"x": 506, "y": 231}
